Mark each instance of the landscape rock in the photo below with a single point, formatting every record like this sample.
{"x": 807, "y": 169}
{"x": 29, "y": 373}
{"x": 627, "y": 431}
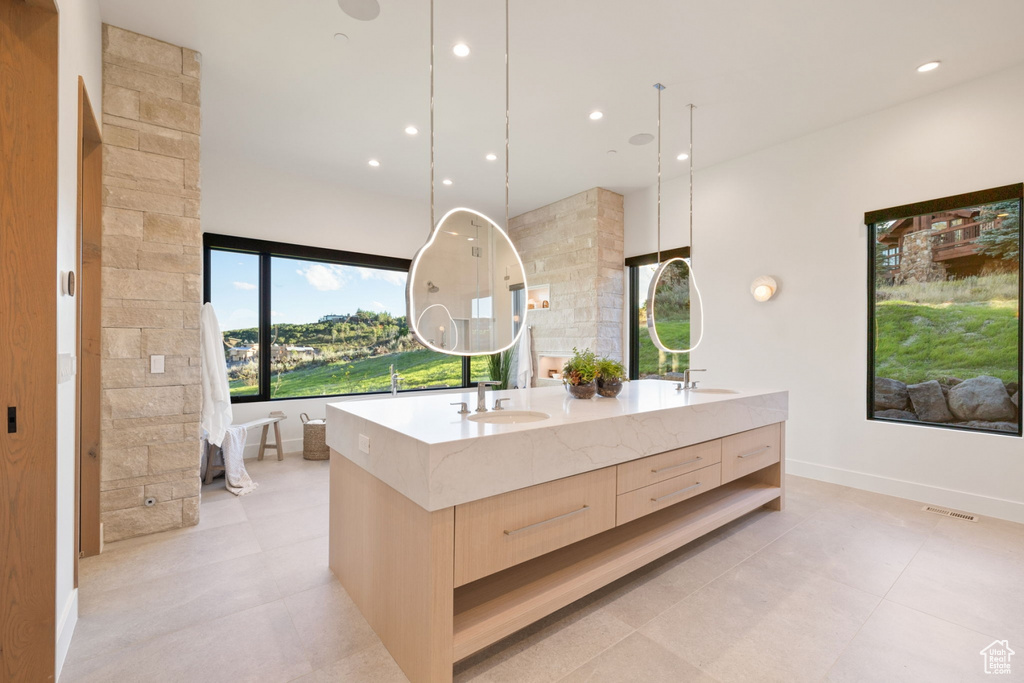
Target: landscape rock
{"x": 929, "y": 402}
{"x": 981, "y": 398}
{"x": 1012, "y": 388}
{"x": 890, "y": 394}
{"x": 997, "y": 426}
{"x": 896, "y": 414}
{"x": 1016, "y": 399}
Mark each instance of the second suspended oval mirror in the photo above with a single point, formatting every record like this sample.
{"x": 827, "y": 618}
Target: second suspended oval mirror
{"x": 674, "y": 309}
{"x": 465, "y": 287}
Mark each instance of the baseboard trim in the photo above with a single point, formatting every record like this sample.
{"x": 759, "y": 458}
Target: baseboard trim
{"x": 961, "y": 500}
{"x": 65, "y": 630}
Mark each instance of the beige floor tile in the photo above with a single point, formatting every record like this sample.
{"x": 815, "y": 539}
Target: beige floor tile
{"x": 852, "y": 548}
{"x": 258, "y": 644}
{"x": 372, "y": 665}
{"x": 124, "y": 565}
{"x": 966, "y": 584}
{"x": 264, "y": 503}
{"x": 300, "y": 566}
{"x": 292, "y": 527}
{"x": 124, "y": 616}
{"x": 329, "y": 624}
{"x": 644, "y": 594}
{"x": 637, "y": 658}
{"x": 220, "y": 512}
{"x": 987, "y": 532}
{"x": 760, "y": 527}
{"x": 547, "y": 650}
{"x": 764, "y": 621}
{"x": 900, "y": 644}
{"x": 889, "y": 509}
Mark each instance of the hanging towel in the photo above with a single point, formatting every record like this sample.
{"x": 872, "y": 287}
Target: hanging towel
{"x": 524, "y": 360}
{"x": 216, "y": 414}
{"x": 236, "y": 478}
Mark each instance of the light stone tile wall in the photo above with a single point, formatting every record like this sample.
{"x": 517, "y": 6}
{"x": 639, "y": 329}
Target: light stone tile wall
{"x": 576, "y": 246}
{"x": 152, "y": 264}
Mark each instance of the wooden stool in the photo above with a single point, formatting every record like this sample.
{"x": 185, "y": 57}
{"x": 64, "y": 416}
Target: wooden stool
{"x": 274, "y": 419}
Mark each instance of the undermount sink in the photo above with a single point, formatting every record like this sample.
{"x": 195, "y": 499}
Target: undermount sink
{"x": 713, "y": 391}
{"x": 509, "y": 417}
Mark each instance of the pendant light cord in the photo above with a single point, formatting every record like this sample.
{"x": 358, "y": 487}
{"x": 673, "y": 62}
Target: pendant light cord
{"x": 506, "y": 115}
{"x": 690, "y": 245}
{"x": 431, "y": 117}
{"x": 660, "y": 87}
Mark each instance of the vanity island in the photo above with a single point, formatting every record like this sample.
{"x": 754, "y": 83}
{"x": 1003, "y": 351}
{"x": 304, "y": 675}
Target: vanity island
{"x": 451, "y": 531}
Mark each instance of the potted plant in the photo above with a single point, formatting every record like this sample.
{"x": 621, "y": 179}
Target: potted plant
{"x": 610, "y": 375}
{"x": 499, "y": 367}
{"x": 579, "y": 374}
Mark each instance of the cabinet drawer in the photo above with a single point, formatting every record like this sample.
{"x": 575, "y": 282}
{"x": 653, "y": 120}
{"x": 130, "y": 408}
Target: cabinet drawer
{"x": 501, "y": 531}
{"x": 652, "y": 498}
{"x": 651, "y": 470}
{"x": 749, "y": 451}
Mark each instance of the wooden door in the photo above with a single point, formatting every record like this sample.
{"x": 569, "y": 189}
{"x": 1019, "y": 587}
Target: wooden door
{"x": 28, "y": 339}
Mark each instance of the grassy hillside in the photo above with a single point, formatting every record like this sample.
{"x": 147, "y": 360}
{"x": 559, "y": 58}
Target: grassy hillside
{"x": 655, "y": 362}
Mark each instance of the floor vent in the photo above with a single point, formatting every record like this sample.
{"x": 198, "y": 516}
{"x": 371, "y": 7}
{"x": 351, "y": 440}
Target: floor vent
{"x": 950, "y": 513}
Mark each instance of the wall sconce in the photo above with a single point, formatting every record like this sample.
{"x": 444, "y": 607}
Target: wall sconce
{"x": 763, "y": 288}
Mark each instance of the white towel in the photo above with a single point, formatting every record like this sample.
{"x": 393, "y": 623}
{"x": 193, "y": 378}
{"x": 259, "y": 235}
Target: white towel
{"x": 216, "y": 413}
{"x": 236, "y": 478}
{"x": 524, "y": 360}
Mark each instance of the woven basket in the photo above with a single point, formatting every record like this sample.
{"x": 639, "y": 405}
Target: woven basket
{"x": 314, "y": 439}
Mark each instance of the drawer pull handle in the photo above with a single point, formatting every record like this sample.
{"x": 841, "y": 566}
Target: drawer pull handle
{"x": 762, "y": 449}
{"x": 546, "y": 521}
{"x": 674, "y": 493}
{"x": 672, "y": 467}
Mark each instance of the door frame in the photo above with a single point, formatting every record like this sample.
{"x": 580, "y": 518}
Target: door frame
{"x": 88, "y": 539}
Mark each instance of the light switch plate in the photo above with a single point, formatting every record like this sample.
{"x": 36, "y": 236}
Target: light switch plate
{"x": 156, "y": 365}
{"x": 364, "y": 443}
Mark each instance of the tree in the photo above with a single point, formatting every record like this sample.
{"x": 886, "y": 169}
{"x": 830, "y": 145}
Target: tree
{"x": 1003, "y": 241}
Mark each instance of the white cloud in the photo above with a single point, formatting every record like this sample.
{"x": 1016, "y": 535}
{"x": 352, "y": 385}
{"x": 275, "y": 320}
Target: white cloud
{"x": 324, "y": 277}
{"x": 392, "y": 277}
{"x": 247, "y": 286}
{"x": 240, "y": 319}
{"x": 377, "y": 306}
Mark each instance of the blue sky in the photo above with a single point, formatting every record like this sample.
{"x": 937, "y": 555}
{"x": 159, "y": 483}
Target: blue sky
{"x": 301, "y": 292}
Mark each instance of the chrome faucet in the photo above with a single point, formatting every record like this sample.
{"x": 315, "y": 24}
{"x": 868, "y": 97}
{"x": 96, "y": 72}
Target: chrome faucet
{"x": 497, "y": 403}
{"x": 481, "y": 395}
{"x": 394, "y": 380}
{"x": 686, "y": 383}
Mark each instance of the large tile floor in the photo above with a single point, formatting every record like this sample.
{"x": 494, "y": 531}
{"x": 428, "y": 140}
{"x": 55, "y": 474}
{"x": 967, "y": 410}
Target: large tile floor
{"x": 843, "y": 585}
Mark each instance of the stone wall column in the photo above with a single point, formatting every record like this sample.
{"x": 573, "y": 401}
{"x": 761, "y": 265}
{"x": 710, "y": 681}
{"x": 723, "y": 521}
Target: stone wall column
{"x": 152, "y": 288}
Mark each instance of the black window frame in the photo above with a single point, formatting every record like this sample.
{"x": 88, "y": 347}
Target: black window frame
{"x": 633, "y": 265}
{"x": 936, "y": 206}
{"x": 266, "y": 250}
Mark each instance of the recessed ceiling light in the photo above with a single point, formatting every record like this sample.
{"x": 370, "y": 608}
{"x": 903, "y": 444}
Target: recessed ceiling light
{"x": 411, "y": 130}
{"x": 612, "y": 151}
{"x": 374, "y": 163}
{"x": 470, "y": 239}
{"x": 596, "y": 115}
{"x": 446, "y": 181}
{"x": 683, "y": 157}
{"x": 641, "y": 139}
{"x": 928, "y": 66}
{"x": 461, "y": 50}
{"x": 362, "y": 10}
{"x": 491, "y": 157}
{"x": 341, "y": 37}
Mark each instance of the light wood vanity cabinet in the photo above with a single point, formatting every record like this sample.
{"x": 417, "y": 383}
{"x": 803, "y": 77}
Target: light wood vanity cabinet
{"x": 438, "y": 586}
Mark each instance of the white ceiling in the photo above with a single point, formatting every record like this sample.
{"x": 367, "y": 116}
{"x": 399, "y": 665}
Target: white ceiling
{"x": 280, "y": 90}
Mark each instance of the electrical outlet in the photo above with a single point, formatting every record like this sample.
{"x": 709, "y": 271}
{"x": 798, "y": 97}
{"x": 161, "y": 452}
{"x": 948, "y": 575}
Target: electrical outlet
{"x": 364, "y": 443}
{"x": 156, "y": 365}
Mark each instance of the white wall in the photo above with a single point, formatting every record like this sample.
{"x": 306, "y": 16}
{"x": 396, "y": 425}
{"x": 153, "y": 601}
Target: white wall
{"x": 795, "y": 211}
{"x": 245, "y": 198}
{"x": 80, "y": 55}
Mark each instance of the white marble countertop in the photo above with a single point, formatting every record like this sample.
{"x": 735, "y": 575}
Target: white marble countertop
{"x": 422, "y": 447}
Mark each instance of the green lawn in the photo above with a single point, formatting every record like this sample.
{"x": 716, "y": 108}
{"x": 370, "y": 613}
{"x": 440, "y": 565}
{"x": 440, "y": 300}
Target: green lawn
{"x": 419, "y": 369}
{"x": 922, "y": 341}
{"x": 655, "y": 362}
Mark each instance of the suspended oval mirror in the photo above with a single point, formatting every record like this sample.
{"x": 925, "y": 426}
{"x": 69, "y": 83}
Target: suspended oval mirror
{"x": 674, "y": 309}
{"x": 465, "y": 287}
